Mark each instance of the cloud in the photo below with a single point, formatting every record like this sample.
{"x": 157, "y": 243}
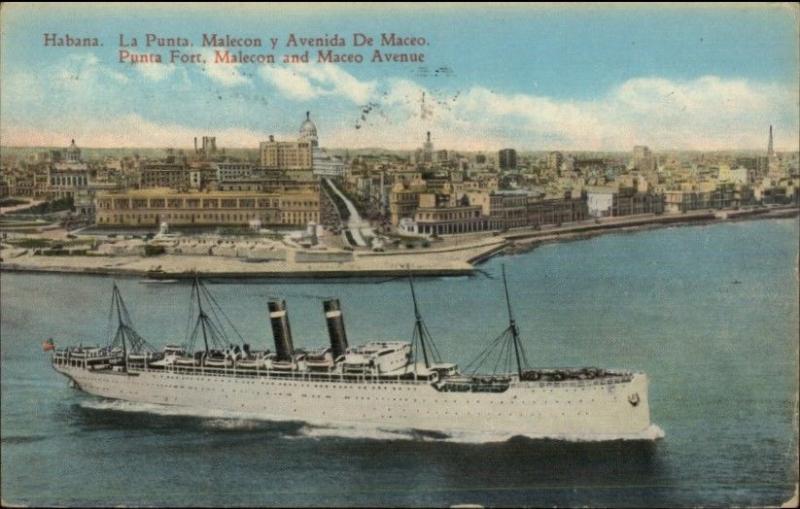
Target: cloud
{"x": 706, "y": 113}
{"x": 305, "y": 82}
{"x": 227, "y": 75}
{"x": 102, "y": 105}
{"x": 155, "y": 71}
{"x": 130, "y": 130}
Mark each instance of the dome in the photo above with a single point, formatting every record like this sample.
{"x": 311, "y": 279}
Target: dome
{"x": 308, "y": 130}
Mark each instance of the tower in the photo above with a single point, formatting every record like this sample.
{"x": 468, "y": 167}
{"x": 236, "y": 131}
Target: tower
{"x": 770, "y": 151}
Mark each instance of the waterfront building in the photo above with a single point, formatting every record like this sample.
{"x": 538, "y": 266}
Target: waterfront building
{"x": 508, "y": 209}
{"x": 555, "y": 211}
{"x": 600, "y": 201}
{"x": 463, "y": 218}
{"x": 404, "y": 199}
{"x": 709, "y": 195}
{"x": 151, "y": 207}
{"x": 478, "y": 211}
{"x": 628, "y": 201}
{"x": 622, "y": 200}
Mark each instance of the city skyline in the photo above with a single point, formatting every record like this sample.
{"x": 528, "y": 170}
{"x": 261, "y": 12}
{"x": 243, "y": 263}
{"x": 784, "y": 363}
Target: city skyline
{"x": 679, "y": 78}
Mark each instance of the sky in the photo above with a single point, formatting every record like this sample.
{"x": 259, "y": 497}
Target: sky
{"x": 673, "y": 77}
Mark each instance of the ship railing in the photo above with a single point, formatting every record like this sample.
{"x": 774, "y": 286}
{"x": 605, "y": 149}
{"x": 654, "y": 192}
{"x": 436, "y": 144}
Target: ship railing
{"x": 308, "y": 376}
{"x": 609, "y": 380}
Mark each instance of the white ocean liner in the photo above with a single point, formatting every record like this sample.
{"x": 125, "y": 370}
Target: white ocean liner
{"x": 385, "y": 384}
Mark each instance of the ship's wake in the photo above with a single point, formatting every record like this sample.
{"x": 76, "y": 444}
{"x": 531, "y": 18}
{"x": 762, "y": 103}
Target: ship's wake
{"x": 225, "y": 420}
{"x": 652, "y": 433}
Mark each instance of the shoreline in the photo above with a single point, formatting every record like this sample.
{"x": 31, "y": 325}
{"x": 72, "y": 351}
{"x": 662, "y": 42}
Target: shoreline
{"x": 447, "y": 261}
{"x": 525, "y": 242}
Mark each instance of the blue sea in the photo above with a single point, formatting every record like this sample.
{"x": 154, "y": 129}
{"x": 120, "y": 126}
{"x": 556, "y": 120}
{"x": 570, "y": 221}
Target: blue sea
{"x": 709, "y": 312}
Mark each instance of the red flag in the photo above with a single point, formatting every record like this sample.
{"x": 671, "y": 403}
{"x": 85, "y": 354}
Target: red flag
{"x": 48, "y": 345}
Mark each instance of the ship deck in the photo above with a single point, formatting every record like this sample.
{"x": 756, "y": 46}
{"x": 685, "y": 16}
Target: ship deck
{"x": 410, "y": 378}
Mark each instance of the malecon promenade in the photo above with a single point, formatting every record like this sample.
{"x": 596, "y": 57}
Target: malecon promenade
{"x": 450, "y": 256}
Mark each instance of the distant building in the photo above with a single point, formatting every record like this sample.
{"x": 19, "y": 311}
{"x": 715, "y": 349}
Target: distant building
{"x": 232, "y": 170}
{"x": 163, "y": 174}
{"x": 507, "y": 159}
{"x": 774, "y": 168}
{"x": 208, "y": 147}
{"x": 554, "y": 161}
{"x": 425, "y": 153}
{"x": 73, "y": 153}
{"x": 67, "y": 175}
{"x": 770, "y": 148}
{"x": 643, "y": 159}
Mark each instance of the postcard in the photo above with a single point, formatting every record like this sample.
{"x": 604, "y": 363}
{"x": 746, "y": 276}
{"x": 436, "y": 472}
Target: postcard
{"x": 399, "y": 255}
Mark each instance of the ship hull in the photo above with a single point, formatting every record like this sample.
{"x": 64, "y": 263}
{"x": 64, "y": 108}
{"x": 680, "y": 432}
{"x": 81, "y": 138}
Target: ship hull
{"x": 615, "y": 408}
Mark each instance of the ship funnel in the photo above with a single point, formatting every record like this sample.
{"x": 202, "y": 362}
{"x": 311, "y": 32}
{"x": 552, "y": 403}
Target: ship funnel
{"x": 336, "y": 332}
{"x": 280, "y": 329}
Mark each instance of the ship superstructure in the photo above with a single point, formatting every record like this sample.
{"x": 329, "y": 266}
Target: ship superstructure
{"x": 386, "y": 384}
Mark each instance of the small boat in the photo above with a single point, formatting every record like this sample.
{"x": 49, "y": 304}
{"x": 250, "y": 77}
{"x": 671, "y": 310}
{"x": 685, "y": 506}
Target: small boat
{"x": 158, "y": 281}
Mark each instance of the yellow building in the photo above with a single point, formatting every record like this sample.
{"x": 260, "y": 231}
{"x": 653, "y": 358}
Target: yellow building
{"x": 286, "y": 155}
{"x": 404, "y": 199}
{"x": 145, "y": 207}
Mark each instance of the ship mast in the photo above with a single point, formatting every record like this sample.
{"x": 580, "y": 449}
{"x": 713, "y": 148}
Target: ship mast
{"x": 203, "y": 315}
{"x": 512, "y": 325}
{"x": 118, "y": 298}
{"x": 125, "y": 335}
{"x": 418, "y": 324}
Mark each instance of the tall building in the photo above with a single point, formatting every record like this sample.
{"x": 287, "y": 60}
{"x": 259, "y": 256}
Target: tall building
{"x": 425, "y": 154}
{"x": 508, "y": 159}
{"x": 643, "y": 159}
{"x": 286, "y": 155}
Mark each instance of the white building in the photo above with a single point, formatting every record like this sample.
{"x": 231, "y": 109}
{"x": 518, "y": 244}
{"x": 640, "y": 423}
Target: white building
{"x": 323, "y": 164}
{"x": 600, "y": 201}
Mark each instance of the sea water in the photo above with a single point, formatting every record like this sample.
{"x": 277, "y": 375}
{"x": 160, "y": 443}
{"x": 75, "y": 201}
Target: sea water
{"x": 709, "y": 312}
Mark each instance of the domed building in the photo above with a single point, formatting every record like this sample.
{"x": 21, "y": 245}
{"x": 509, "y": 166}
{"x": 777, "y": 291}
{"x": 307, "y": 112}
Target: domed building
{"x": 324, "y": 164}
{"x": 73, "y": 153}
{"x": 308, "y": 131}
